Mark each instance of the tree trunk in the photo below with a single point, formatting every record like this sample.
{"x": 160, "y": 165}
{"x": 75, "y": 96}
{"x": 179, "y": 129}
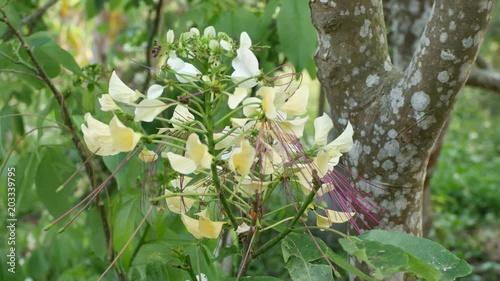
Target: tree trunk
{"x": 397, "y": 115}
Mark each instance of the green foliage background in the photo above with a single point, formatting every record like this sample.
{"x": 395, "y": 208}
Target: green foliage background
{"x": 466, "y": 193}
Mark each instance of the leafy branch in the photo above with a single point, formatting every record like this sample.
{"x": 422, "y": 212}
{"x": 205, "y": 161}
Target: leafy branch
{"x": 70, "y": 126}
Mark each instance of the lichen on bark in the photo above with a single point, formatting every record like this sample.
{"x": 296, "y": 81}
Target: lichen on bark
{"x": 397, "y": 112}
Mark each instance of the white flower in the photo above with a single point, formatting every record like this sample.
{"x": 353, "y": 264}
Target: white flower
{"x": 185, "y": 72}
{"x": 108, "y": 139}
{"x": 121, "y": 92}
{"x": 209, "y": 32}
{"x": 242, "y": 158}
{"x": 239, "y": 95}
{"x": 181, "y": 116}
{"x": 148, "y": 109}
{"x": 147, "y": 156}
{"x": 107, "y": 103}
{"x": 170, "y": 36}
{"x": 246, "y": 65}
{"x": 197, "y": 156}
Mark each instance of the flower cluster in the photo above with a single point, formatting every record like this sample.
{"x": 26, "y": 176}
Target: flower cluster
{"x": 221, "y": 141}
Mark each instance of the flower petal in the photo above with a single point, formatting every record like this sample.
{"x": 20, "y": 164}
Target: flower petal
{"x": 181, "y": 115}
{"x": 246, "y": 68}
{"x": 268, "y": 94}
{"x": 296, "y": 104}
{"x": 121, "y": 92}
{"x": 148, "y": 109}
{"x": 178, "y": 204}
{"x": 210, "y": 229}
{"x": 242, "y": 159}
{"x": 147, "y": 156}
{"x": 107, "y": 103}
{"x": 198, "y": 151}
{"x": 181, "y": 164}
{"x": 322, "y": 126}
{"x": 124, "y": 138}
{"x": 245, "y": 41}
{"x": 192, "y": 226}
{"x": 238, "y": 96}
{"x": 154, "y": 91}
{"x": 342, "y": 143}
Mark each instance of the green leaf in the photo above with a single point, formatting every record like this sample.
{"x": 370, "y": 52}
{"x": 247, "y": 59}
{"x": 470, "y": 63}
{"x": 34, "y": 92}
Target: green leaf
{"x": 39, "y": 39}
{"x": 424, "y": 251}
{"x": 346, "y": 265}
{"x": 296, "y": 33}
{"x": 128, "y": 174}
{"x": 49, "y": 65}
{"x": 62, "y": 57}
{"x": 54, "y": 168}
{"x": 156, "y": 270}
{"x": 384, "y": 259}
{"x": 300, "y": 270}
{"x": 254, "y": 278}
{"x": 302, "y": 246}
{"x": 125, "y": 222}
{"x": 299, "y": 250}
{"x": 239, "y": 20}
{"x": 37, "y": 265}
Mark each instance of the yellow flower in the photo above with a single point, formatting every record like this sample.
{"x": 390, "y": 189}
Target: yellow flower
{"x": 204, "y": 227}
{"x": 196, "y": 156}
{"x": 107, "y": 103}
{"x": 242, "y": 158}
{"x": 108, "y": 139}
{"x": 332, "y": 217}
{"x": 121, "y": 92}
{"x": 147, "y": 156}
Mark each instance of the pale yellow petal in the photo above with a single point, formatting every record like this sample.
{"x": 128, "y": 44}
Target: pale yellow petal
{"x": 181, "y": 164}
{"x": 107, "y": 103}
{"x": 178, "y": 204}
{"x": 148, "y": 109}
{"x": 322, "y": 126}
{"x": 268, "y": 94}
{"x": 339, "y": 217}
{"x": 124, "y": 138}
{"x": 181, "y": 115}
{"x": 121, "y": 92}
{"x": 210, "y": 229}
{"x": 192, "y": 226}
{"x": 198, "y": 151}
{"x": 148, "y": 156}
{"x": 342, "y": 143}
{"x": 242, "y": 159}
{"x": 296, "y": 104}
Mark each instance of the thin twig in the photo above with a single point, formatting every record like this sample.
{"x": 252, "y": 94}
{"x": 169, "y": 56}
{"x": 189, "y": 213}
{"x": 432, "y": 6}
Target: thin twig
{"x": 152, "y": 34}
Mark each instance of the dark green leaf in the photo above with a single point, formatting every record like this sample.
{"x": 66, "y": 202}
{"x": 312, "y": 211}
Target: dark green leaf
{"x": 254, "y": 278}
{"x": 54, "y": 168}
{"x": 346, "y": 265}
{"x": 300, "y": 270}
{"x": 423, "y": 250}
{"x": 61, "y": 56}
{"x": 39, "y": 39}
{"x": 47, "y": 62}
{"x": 156, "y": 270}
{"x": 126, "y": 220}
{"x": 296, "y": 33}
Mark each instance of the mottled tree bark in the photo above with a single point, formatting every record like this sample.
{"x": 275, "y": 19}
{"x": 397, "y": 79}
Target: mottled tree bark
{"x": 397, "y": 114}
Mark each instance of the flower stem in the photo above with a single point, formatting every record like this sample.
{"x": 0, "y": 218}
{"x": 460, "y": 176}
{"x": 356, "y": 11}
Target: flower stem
{"x": 211, "y": 149}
